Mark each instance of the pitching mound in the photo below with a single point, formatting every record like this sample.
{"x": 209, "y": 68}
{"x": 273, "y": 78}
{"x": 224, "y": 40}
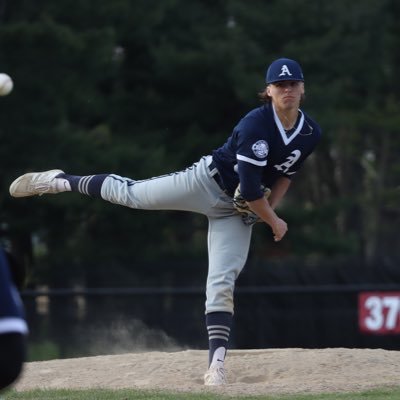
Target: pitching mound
{"x": 250, "y": 372}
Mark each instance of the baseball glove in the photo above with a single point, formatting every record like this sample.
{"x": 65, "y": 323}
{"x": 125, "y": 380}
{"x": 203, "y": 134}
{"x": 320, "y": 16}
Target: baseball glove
{"x": 248, "y": 216}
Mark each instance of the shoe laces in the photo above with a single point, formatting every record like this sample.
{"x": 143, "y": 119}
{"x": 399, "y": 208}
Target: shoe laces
{"x": 42, "y": 185}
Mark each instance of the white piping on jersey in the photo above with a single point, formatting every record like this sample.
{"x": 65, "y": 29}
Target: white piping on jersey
{"x": 287, "y": 139}
{"x": 251, "y": 161}
{"x": 13, "y": 324}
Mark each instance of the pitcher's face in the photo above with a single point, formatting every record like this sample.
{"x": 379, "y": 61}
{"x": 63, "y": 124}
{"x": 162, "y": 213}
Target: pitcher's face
{"x": 286, "y": 94}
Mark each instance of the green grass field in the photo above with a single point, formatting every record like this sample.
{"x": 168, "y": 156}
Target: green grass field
{"x": 382, "y": 394}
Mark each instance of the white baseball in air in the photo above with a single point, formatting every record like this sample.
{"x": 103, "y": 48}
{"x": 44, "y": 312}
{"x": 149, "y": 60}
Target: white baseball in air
{"x": 6, "y": 84}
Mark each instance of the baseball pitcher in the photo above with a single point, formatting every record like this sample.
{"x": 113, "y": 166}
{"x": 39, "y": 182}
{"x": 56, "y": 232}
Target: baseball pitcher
{"x": 237, "y": 185}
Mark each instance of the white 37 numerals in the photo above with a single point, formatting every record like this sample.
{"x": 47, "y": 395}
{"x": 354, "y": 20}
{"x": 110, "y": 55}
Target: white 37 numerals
{"x": 382, "y": 312}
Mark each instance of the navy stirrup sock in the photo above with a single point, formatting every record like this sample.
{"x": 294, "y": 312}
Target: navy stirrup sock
{"x": 90, "y": 185}
{"x": 219, "y": 328}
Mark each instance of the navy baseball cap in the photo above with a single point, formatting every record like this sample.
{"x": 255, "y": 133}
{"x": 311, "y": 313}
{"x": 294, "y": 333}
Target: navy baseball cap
{"x": 284, "y": 69}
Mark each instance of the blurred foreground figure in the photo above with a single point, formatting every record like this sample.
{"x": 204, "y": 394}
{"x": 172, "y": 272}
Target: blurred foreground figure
{"x": 13, "y": 327}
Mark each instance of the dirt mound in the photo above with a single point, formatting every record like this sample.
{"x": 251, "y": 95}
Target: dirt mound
{"x": 250, "y": 372}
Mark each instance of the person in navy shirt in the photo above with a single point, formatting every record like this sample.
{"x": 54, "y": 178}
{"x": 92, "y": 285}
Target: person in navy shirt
{"x": 269, "y": 144}
{"x": 13, "y": 327}
{"x": 266, "y": 149}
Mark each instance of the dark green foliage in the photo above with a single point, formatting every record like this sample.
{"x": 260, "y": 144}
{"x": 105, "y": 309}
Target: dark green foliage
{"x": 141, "y": 88}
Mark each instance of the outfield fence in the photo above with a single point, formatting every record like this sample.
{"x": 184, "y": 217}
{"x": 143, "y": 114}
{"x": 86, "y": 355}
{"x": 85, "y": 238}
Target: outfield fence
{"x": 73, "y": 322}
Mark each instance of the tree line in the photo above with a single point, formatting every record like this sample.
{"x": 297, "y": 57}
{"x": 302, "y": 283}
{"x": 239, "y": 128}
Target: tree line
{"x": 142, "y": 88}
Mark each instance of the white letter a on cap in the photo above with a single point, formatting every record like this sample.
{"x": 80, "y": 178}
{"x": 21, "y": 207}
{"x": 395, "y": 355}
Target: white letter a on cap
{"x": 285, "y": 71}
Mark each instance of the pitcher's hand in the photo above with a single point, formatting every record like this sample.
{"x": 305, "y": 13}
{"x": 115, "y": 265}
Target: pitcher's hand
{"x": 279, "y": 229}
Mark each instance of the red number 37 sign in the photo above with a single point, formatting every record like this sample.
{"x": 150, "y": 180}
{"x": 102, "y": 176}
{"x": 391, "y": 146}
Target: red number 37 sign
{"x": 379, "y": 312}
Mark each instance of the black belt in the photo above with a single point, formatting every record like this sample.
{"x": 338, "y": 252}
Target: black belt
{"x": 217, "y": 178}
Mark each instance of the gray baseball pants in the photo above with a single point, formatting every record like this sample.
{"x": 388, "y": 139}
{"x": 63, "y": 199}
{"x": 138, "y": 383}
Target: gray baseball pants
{"x": 195, "y": 190}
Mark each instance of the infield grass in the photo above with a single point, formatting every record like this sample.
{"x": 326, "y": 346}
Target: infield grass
{"x": 380, "y": 394}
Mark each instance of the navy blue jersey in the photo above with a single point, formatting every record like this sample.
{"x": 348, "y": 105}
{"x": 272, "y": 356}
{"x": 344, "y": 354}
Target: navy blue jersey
{"x": 259, "y": 151}
{"x": 11, "y": 309}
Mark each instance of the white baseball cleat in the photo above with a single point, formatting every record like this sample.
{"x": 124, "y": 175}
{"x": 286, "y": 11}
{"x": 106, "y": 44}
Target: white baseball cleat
{"x": 38, "y": 183}
{"x": 215, "y": 376}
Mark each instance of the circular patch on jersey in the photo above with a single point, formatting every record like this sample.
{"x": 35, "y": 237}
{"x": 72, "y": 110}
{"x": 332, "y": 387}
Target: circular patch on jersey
{"x": 260, "y": 148}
